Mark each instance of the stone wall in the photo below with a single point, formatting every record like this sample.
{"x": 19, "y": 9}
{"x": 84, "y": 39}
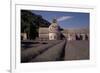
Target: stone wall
{"x": 70, "y": 34}
{"x": 76, "y": 34}
{"x": 23, "y": 36}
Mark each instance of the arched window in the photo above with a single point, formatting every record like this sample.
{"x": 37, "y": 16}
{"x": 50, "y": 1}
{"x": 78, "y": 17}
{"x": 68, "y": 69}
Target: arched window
{"x": 51, "y": 36}
{"x": 81, "y": 37}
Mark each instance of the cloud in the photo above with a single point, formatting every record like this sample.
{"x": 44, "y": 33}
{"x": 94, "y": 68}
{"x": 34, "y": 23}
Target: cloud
{"x": 63, "y": 18}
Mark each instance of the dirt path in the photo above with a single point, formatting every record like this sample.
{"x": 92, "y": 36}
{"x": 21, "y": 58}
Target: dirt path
{"x": 77, "y": 50}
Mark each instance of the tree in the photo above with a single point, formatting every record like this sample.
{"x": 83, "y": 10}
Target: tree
{"x": 27, "y": 24}
{"x": 30, "y": 23}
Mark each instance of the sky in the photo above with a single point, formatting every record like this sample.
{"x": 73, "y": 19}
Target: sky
{"x": 66, "y": 19}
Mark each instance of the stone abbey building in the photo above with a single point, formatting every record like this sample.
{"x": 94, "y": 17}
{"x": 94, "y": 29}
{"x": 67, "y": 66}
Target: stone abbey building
{"x": 53, "y": 32}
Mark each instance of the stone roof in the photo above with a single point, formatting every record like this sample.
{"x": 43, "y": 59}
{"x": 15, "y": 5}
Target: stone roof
{"x": 43, "y": 30}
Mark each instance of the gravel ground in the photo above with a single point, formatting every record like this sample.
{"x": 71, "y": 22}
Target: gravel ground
{"x": 69, "y": 50}
{"x": 77, "y": 50}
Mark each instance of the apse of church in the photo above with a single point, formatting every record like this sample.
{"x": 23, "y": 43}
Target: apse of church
{"x": 54, "y": 31}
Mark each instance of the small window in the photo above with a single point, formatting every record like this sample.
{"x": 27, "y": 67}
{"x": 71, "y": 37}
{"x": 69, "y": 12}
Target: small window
{"x": 51, "y": 37}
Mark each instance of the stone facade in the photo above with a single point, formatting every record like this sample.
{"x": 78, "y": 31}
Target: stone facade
{"x": 43, "y": 33}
